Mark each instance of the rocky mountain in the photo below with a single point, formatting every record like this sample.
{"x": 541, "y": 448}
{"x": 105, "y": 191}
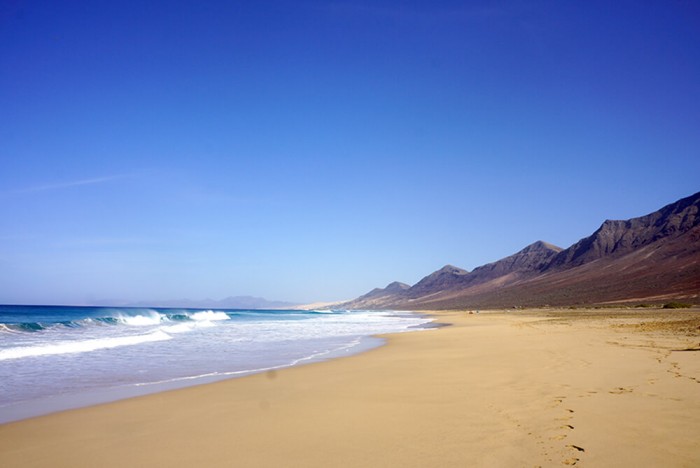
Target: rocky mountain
{"x": 619, "y": 238}
{"x": 446, "y": 278}
{"x": 450, "y": 280}
{"x": 379, "y": 297}
{"x": 532, "y": 259}
{"x": 651, "y": 258}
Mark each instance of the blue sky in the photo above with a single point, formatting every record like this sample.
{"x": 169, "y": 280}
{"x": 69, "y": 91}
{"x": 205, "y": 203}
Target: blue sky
{"x": 313, "y": 150}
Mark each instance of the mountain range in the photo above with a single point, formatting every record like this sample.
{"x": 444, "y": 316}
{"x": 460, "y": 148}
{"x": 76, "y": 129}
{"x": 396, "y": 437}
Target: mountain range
{"x": 651, "y": 258}
{"x": 231, "y": 302}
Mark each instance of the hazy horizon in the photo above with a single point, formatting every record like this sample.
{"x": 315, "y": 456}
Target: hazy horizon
{"x": 311, "y": 151}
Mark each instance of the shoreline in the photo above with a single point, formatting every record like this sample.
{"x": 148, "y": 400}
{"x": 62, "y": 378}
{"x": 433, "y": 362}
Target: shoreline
{"x": 135, "y": 385}
{"x": 98, "y": 396}
{"x": 522, "y": 388}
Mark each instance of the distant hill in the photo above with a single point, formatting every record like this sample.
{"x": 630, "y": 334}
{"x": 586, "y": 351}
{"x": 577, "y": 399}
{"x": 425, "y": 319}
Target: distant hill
{"x": 231, "y": 302}
{"x": 379, "y": 297}
{"x": 446, "y": 278}
{"x": 652, "y": 258}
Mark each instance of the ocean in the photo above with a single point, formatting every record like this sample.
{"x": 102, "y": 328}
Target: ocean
{"x": 54, "y": 358}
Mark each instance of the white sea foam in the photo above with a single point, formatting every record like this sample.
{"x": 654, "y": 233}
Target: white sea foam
{"x": 179, "y": 328}
{"x": 69, "y": 347}
{"x": 209, "y": 315}
{"x": 188, "y": 327}
{"x": 317, "y": 355}
{"x": 204, "y": 324}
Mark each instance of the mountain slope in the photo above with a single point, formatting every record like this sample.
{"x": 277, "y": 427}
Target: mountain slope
{"x": 654, "y": 257}
{"x": 618, "y": 238}
{"x": 656, "y": 272}
{"x": 378, "y": 298}
{"x": 532, "y": 258}
{"x": 446, "y": 278}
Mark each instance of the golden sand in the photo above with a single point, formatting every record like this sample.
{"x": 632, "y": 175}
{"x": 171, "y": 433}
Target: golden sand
{"x": 494, "y": 389}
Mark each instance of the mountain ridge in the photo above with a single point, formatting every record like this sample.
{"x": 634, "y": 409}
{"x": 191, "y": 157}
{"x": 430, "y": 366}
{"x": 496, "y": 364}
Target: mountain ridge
{"x": 618, "y": 237}
{"x": 651, "y": 257}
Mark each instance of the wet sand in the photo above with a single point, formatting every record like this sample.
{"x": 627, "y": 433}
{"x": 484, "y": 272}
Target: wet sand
{"x": 515, "y": 388}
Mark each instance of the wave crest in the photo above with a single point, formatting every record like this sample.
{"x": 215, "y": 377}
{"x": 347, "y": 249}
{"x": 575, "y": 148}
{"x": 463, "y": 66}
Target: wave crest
{"x": 147, "y": 319}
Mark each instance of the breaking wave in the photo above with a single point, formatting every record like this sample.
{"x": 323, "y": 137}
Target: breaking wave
{"x": 142, "y": 319}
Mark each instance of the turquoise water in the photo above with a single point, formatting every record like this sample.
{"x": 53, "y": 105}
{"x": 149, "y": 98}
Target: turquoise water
{"x": 54, "y": 358}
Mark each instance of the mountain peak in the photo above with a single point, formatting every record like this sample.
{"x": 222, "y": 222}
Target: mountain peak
{"x": 542, "y": 246}
{"x": 446, "y": 277}
{"x": 656, "y": 256}
{"x": 621, "y": 237}
{"x": 451, "y": 269}
{"x": 378, "y": 293}
{"x": 396, "y": 286}
{"x": 532, "y": 258}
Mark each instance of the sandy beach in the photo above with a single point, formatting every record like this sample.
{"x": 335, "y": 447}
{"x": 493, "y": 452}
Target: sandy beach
{"x": 517, "y": 388}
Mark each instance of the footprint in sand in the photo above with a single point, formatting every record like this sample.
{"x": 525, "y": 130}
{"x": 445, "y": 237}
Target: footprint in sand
{"x": 573, "y": 460}
{"x": 620, "y": 390}
{"x": 566, "y": 418}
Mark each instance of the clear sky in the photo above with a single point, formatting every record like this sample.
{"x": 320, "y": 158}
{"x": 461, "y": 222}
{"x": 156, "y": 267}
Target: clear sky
{"x": 313, "y": 150}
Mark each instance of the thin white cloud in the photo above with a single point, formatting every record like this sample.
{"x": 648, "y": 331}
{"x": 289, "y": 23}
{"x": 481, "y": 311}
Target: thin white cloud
{"x": 73, "y": 183}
